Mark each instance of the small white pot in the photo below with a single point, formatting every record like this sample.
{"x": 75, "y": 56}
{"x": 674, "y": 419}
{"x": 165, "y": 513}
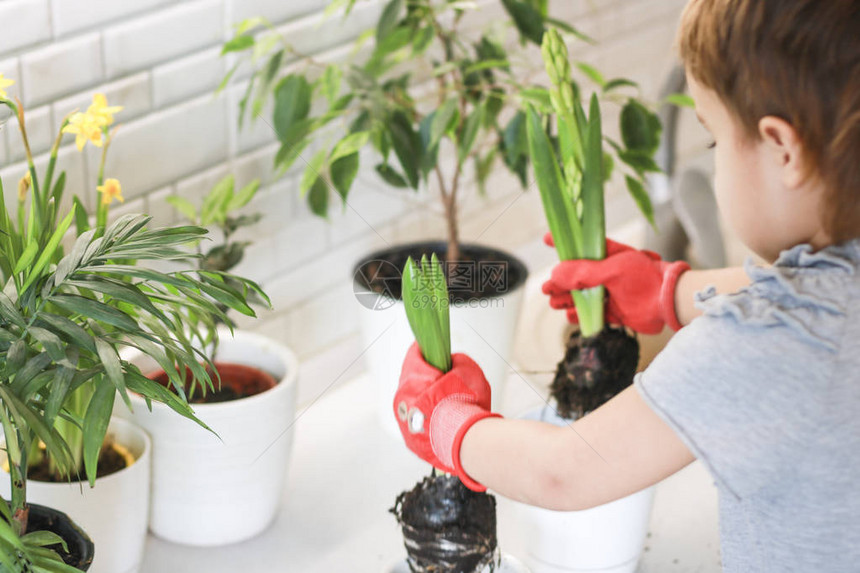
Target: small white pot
{"x": 483, "y": 329}
{"x": 212, "y": 490}
{"x": 114, "y": 513}
{"x": 605, "y": 539}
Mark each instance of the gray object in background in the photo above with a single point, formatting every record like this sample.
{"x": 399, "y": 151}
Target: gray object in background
{"x": 685, "y": 208}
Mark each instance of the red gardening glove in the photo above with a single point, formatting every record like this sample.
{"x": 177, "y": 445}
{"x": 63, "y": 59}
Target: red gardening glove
{"x": 640, "y": 286}
{"x": 435, "y": 410}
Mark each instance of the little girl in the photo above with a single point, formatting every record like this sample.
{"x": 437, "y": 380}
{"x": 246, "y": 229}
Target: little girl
{"x": 762, "y": 383}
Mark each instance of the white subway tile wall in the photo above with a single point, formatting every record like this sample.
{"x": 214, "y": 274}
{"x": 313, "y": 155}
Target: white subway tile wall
{"x": 161, "y": 60}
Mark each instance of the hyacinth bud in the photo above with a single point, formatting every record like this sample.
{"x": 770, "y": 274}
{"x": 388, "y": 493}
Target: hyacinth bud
{"x": 557, "y": 101}
{"x": 566, "y": 91}
{"x": 24, "y": 186}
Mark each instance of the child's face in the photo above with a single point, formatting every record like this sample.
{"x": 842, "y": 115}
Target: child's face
{"x": 767, "y": 210}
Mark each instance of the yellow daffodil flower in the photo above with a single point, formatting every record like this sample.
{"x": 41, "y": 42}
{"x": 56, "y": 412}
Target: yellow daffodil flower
{"x": 86, "y": 128}
{"x": 111, "y": 190}
{"x": 4, "y": 83}
{"x": 101, "y": 112}
{"x": 24, "y": 186}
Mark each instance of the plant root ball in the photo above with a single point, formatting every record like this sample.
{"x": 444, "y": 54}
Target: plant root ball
{"x": 447, "y": 528}
{"x": 594, "y": 370}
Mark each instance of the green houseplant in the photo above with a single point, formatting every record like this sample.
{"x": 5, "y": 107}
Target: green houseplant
{"x": 251, "y": 411}
{"x": 601, "y": 359}
{"x": 65, "y": 316}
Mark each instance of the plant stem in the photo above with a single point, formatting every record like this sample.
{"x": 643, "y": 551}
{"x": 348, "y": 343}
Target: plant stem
{"x": 17, "y": 477}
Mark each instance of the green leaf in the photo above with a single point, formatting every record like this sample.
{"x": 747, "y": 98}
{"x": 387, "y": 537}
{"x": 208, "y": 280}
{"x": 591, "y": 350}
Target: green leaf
{"x": 425, "y": 299}
{"x": 618, "y": 83}
{"x": 215, "y": 203}
{"x": 515, "y": 138}
{"x": 560, "y": 213}
{"x": 527, "y": 19}
{"x": 349, "y": 145}
{"x": 184, "y": 206}
{"x": 96, "y": 311}
{"x": 9, "y": 311}
{"x": 238, "y": 44}
{"x": 292, "y": 104}
{"x": 68, "y": 329}
{"x": 331, "y": 82}
{"x": 642, "y": 199}
{"x": 82, "y": 224}
{"x": 391, "y": 176}
{"x": 640, "y": 128}
{"x": 640, "y": 162}
{"x": 592, "y": 73}
{"x": 244, "y": 196}
{"x": 442, "y": 121}
{"x": 25, "y": 417}
{"x": 343, "y": 172}
{"x": 423, "y": 39}
{"x": 593, "y": 216}
{"x": 49, "y": 250}
{"x": 470, "y": 132}
{"x": 681, "y": 100}
{"x": 95, "y": 427}
{"x": 388, "y": 20}
{"x": 27, "y": 256}
{"x": 113, "y": 369}
{"x": 565, "y": 27}
{"x": 50, "y": 342}
{"x": 318, "y": 197}
{"x": 313, "y": 171}
{"x": 407, "y": 146}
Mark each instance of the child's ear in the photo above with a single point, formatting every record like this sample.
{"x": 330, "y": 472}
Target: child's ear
{"x": 787, "y": 149}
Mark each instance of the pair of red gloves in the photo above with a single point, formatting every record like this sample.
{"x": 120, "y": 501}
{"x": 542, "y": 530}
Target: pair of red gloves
{"x": 435, "y": 410}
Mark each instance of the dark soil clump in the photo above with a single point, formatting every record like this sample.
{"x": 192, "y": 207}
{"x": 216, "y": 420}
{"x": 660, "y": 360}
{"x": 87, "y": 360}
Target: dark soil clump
{"x": 236, "y": 381}
{"x": 480, "y": 273}
{"x": 110, "y": 461}
{"x": 594, "y": 370}
{"x": 447, "y": 528}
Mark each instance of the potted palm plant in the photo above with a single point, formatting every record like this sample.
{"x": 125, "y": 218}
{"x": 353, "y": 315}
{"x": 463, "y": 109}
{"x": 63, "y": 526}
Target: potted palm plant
{"x": 210, "y": 490}
{"x": 64, "y": 319}
{"x": 446, "y": 526}
{"x": 601, "y": 359}
{"x": 437, "y": 108}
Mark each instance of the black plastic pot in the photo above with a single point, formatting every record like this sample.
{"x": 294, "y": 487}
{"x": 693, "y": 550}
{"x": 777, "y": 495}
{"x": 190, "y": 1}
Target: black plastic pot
{"x": 390, "y": 263}
{"x": 81, "y": 549}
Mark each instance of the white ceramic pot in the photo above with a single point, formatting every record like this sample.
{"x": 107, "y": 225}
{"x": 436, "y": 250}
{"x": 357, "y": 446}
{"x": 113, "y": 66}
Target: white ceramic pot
{"x": 213, "y": 490}
{"x": 484, "y": 329}
{"x": 605, "y": 539}
{"x": 114, "y": 513}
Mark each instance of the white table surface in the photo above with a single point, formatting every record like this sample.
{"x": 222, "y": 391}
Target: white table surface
{"x": 346, "y": 472}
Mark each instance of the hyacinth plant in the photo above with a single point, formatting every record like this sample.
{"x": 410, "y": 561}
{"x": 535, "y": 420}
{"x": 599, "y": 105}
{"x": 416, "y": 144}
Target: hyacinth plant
{"x": 459, "y": 118}
{"x": 64, "y": 317}
{"x": 571, "y": 174}
{"x": 425, "y": 296}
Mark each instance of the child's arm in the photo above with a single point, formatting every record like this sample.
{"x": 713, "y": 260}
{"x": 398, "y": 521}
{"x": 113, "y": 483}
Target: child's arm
{"x": 691, "y": 282}
{"x": 615, "y": 451}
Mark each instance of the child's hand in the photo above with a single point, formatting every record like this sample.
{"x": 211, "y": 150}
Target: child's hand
{"x": 640, "y": 286}
{"x": 435, "y": 410}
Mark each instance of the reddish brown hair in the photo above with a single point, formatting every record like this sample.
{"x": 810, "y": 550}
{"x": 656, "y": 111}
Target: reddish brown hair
{"x": 794, "y": 59}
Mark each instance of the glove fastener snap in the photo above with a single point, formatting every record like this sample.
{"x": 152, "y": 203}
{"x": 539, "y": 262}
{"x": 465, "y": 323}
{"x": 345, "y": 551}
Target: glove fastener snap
{"x": 416, "y": 421}
{"x": 402, "y": 411}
